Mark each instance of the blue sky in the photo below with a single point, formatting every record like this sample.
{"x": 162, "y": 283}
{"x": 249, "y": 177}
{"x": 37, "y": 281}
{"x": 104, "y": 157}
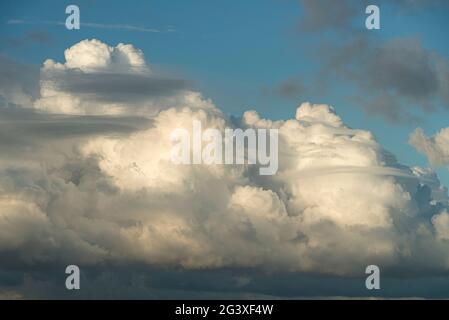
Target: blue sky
{"x": 232, "y": 51}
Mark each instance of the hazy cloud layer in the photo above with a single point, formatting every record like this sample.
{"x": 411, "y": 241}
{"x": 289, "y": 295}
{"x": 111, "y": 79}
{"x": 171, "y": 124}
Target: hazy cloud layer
{"x": 126, "y": 27}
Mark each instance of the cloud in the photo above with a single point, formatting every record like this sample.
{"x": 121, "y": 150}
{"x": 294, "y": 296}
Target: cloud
{"x": 125, "y": 27}
{"x": 110, "y": 87}
{"x": 395, "y": 76}
{"x": 99, "y": 79}
{"x": 398, "y": 79}
{"x": 103, "y": 196}
{"x": 441, "y": 223}
{"x": 328, "y": 15}
{"x": 31, "y": 37}
{"x": 436, "y": 148}
{"x": 10, "y": 295}
{"x": 18, "y": 82}
{"x": 24, "y": 128}
{"x": 289, "y": 89}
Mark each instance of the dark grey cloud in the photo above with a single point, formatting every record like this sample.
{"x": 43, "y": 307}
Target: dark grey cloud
{"x": 146, "y": 282}
{"x": 403, "y": 66}
{"x": 31, "y": 37}
{"x": 385, "y": 105}
{"x": 19, "y": 83}
{"x": 398, "y": 79}
{"x": 21, "y": 128}
{"x": 329, "y": 15}
{"x": 117, "y": 87}
{"x": 391, "y": 77}
{"x": 292, "y": 88}
{"x": 324, "y": 14}
{"x": 43, "y": 125}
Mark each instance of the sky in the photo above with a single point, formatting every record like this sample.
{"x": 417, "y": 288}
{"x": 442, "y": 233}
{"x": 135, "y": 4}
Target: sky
{"x": 228, "y": 57}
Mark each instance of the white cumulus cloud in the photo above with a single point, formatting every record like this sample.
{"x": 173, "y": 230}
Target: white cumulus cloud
{"x": 436, "y": 148}
{"x": 338, "y": 203}
{"x": 100, "y": 79}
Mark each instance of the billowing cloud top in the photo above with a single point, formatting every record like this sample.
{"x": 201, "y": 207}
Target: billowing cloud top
{"x": 91, "y": 55}
{"x": 100, "y": 79}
